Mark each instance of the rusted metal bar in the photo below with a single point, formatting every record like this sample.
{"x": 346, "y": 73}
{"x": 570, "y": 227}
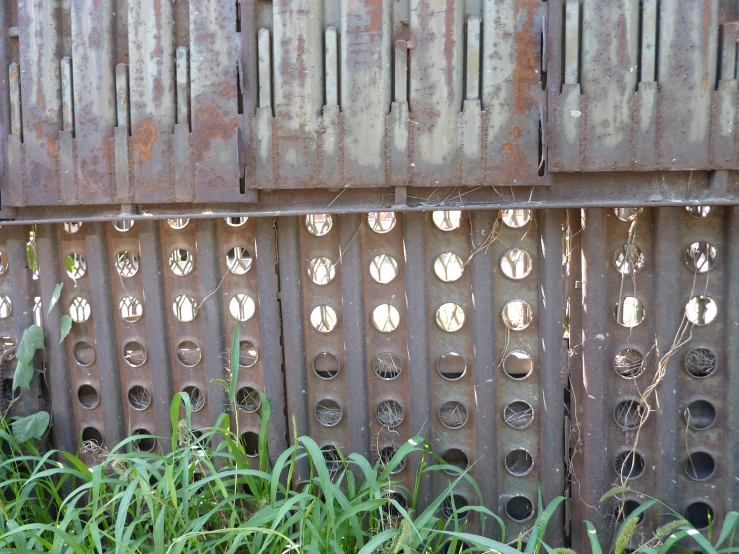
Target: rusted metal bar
{"x": 731, "y": 283}
{"x": 484, "y": 339}
{"x": 572, "y": 42}
{"x": 59, "y": 378}
{"x": 667, "y": 320}
{"x": 106, "y": 343}
{"x": 15, "y": 99}
{"x": 269, "y": 321}
{"x": 264, "y": 49}
{"x": 183, "y": 82}
{"x": 210, "y": 308}
{"x": 590, "y": 394}
{"x": 648, "y": 41}
{"x": 293, "y": 325}
{"x": 157, "y": 331}
{"x": 332, "y": 66}
{"x": 414, "y": 232}
{"x": 213, "y": 90}
{"x": 39, "y": 55}
{"x": 152, "y": 83}
{"x": 552, "y": 376}
{"x": 355, "y": 370}
{"x": 365, "y": 53}
{"x": 93, "y": 44}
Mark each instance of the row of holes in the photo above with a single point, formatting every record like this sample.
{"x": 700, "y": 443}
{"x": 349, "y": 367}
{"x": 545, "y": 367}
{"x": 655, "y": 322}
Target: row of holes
{"x": 630, "y": 414}
{"x": 699, "y": 362}
{"x": 125, "y": 225}
{"x": 698, "y": 465}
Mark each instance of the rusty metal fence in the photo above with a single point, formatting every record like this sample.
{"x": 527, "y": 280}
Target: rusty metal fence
{"x": 507, "y": 225}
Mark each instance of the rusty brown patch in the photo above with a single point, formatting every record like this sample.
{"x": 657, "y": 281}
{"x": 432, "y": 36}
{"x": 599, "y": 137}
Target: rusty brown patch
{"x": 527, "y": 45}
{"x": 209, "y": 124}
{"x": 143, "y": 139}
{"x": 449, "y": 47}
{"x": 374, "y": 26}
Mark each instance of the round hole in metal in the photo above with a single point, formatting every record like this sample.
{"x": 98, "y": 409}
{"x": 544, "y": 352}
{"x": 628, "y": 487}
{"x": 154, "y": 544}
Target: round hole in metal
{"x": 518, "y": 414}
{"x": 625, "y": 508}
{"x": 389, "y": 414}
{"x": 519, "y": 508}
{"x": 321, "y": 270}
{"x": 517, "y": 315}
{"x": 386, "y": 455}
{"x": 448, "y": 267}
{"x": 516, "y": 218}
{"x": 318, "y": 224}
{"x": 123, "y": 225}
{"x": 236, "y": 221}
{"x": 93, "y": 437}
{"x": 389, "y": 508}
{"x": 238, "y": 260}
{"x": 516, "y": 263}
{"x": 127, "y": 263}
{"x": 383, "y": 268}
{"x": 699, "y": 515}
{"x": 332, "y": 457}
{"x": 144, "y": 442}
{"x": 629, "y": 464}
{"x": 248, "y": 354}
{"x": 453, "y": 414}
{"x": 6, "y": 306}
{"x": 518, "y": 365}
{"x": 629, "y": 311}
{"x": 75, "y": 265}
{"x": 178, "y": 223}
{"x": 629, "y": 363}
{"x": 326, "y": 365}
{"x": 699, "y": 466}
{"x": 385, "y": 318}
{"x": 387, "y": 365}
{"x": 197, "y": 397}
{"x": 451, "y": 506}
{"x": 181, "y": 262}
{"x": 189, "y": 353}
{"x": 700, "y": 362}
{"x": 700, "y": 256}
{"x": 700, "y": 414}
{"x": 699, "y": 211}
{"x": 701, "y": 310}
{"x": 72, "y": 227}
{"x": 185, "y": 308}
{"x": 450, "y": 317}
{"x": 451, "y": 366}
{"x": 629, "y": 414}
{"x": 447, "y": 220}
{"x": 88, "y": 396}
{"x": 79, "y": 309}
{"x": 8, "y": 393}
{"x": 250, "y": 443}
{"x": 519, "y": 462}
{"x": 457, "y": 458}
{"x": 629, "y": 259}
{"x": 84, "y": 353}
{"x": 328, "y": 412}
{"x": 323, "y": 318}
{"x": 134, "y": 353}
{"x": 381, "y": 222}
{"x": 627, "y": 214}
{"x": 131, "y": 309}
{"x": 139, "y": 398}
{"x": 248, "y": 399}
{"x": 241, "y": 307}
{"x": 3, "y": 263}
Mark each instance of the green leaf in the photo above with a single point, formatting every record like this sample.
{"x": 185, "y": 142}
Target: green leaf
{"x": 33, "y": 339}
{"x": 65, "y": 326}
{"x": 31, "y": 255}
{"x": 30, "y": 427}
{"x": 593, "y": 536}
{"x": 55, "y": 297}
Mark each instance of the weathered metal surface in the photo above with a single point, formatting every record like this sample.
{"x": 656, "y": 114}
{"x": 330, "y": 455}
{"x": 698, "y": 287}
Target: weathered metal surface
{"x": 678, "y": 463}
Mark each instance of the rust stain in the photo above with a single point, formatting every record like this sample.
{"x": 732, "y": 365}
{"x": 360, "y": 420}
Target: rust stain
{"x": 705, "y": 33}
{"x": 514, "y": 157}
{"x": 210, "y": 125}
{"x": 527, "y": 46}
{"x": 143, "y": 139}
{"x": 374, "y": 26}
{"x": 39, "y": 130}
{"x": 449, "y": 47}
{"x": 51, "y": 145}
